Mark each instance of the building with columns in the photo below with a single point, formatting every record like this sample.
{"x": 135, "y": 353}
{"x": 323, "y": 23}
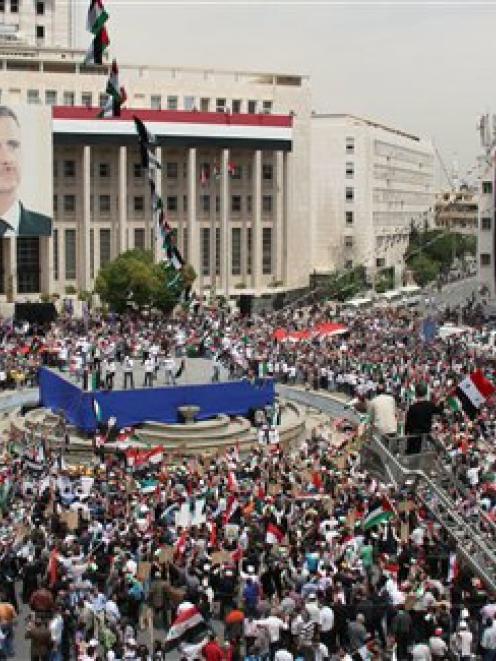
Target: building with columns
{"x": 369, "y": 183}
{"x": 235, "y": 152}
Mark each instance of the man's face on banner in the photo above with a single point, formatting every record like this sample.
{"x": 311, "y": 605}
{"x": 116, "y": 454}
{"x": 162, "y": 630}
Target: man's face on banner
{"x": 10, "y": 156}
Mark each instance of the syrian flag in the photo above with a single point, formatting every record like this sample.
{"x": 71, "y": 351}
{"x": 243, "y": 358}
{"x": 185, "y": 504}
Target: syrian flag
{"x": 116, "y": 95}
{"x": 231, "y": 509}
{"x": 188, "y": 624}
{"x": 379, "y": 515}
{"x": 155, "y": 456}
{"x": 97, "y": 17}
{"x": 146, "y": 140}
{"x": 274, "y": 535}
{"x": 173, "y": 254}
{"x": 180, "y": 545}
{"x": 98, "y": 46}
{"x": 473, "y": 392}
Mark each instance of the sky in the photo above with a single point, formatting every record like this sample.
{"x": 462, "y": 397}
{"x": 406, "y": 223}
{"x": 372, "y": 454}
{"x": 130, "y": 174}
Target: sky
{"x": 427, "y": 67}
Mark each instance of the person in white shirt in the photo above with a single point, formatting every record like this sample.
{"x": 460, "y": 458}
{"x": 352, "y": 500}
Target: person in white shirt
{"x": 463, "y": 641}
{"x": 274, "y": 626}
{"x": 148, "y": 373}
{"x": 128, "y": 372}
{"x": 170, "y": 368}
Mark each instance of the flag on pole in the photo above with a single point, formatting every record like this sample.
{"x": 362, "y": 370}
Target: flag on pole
{"x": 188, "y": 624}
{"x": 116, "y": 94}
{"x": 274, "y": 535}
{"x": 98, "y": 47}
{"x": 473, "y": 392}
{"x": 381, "y": 514}
{"x": 97, "y": 17}
{"x": 231, "y": 509}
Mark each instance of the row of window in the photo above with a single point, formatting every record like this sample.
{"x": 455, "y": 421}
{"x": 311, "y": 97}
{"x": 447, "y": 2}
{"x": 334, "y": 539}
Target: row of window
{"x": 252, "y": 107}
{"x": 239, "y": 249}
{"x": 171, "y": 169}
{"x": 171, "y": 201}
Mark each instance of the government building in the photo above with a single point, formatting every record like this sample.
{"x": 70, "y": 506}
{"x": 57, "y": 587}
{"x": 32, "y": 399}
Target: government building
{"x": 260, "y": 191}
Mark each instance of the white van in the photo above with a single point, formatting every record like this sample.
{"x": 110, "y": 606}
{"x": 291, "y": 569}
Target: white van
{"x": 390, "y": 298}
{"x": 358, "y": 303}
{"x": 411, "y": 295}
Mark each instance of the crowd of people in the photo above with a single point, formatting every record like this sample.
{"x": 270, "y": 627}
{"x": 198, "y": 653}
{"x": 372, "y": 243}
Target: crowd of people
{"x": 280, "y": 553}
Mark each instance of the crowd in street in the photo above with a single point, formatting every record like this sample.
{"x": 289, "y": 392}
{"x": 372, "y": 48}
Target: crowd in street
{"x": 280, "y": 553}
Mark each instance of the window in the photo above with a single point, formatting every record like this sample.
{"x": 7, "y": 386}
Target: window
{"x": 486, "y": 223}
{"x": 267, "y": 170}
{"x": 349, "y": 217}
{"x": 236, "y": 172}
{"x": 55, "y": 239}
{"x": 33, "y": 96}
{"x": 50, "y": 97}
{"x": 69, "y": 168}
{"x": 28, "y": 265}
{"x": 350, "y": 169}
{"x": 55, "y": 203}
{"x": 267, "y": 107}
{"x": 252, "y": 107}
{"x": 92, "y": 253}
{"x": 205, "y": 203}
{"x": 220, "y": 105}
{"x": 348, "y": 242}
{"x": 204, "y": 104}
{"x": 172, "y": 103}
{"x": 267, "y": 203}
{"x": 487, "y": 187}
{"x": 236, "y": 251}
{"x": 2, "y": 5}
{"x": 236, "y": 203}
{"x": 68, "y": 98}
{"x": 104, "y": 247}
{"x": 40, "y": 32}
{"x": 171, "y": 170}
{"x": 87, "y": 99}
{"x": 40, "y": 8}
{"x": 217, "y": 204}
{"x": 102, "y": 100}
{"x": 139, "y": 238}
{"x": 349, "y": 194}
{"x": 350, "y": 145}
{"x": 217, "y": 251}
{"x": 172, "y": 203}
{"x": 14, "y": 6}
{"x": 205, "y": 250}
{"x": 248, "y": 203}
{"x": 156, "y": 102}
{"x": 138, "y": 203}
{"x": 185, "y": 203}
{"x": 485, "y": 259}
{"x": 104, "y": 204}
{"x": 104, "y": 170}
{"x": 248, "y": 250}
{"x": 69, "y": 203}
{"x": 189, "y": 103}
{"x": 236, "y": 106}
{"x": 137, "y": 170}
{"x": 70, "y": 254}
{"x": 267, "y": 250}
{"x": 380, "y": 262}
{"x": 348, "y": 264}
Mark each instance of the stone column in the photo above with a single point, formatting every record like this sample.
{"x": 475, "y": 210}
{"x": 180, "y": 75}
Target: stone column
{"x": 279, "y": 215}
{"x": 46, "y": 264}
{"x": 10, "y": 268}
{"x": 286, "y": 202}
{"x": 120, "y": 242}
{"x": 225, "y": 252}
{"x": 193, "y": 227}
{"x": 256, "y": 224}
{"x": 213, "y": 227}
{"x": 83, "y": 229}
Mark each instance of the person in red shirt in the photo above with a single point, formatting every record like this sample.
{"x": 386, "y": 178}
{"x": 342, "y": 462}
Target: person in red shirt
{"x": 212, "y": 651}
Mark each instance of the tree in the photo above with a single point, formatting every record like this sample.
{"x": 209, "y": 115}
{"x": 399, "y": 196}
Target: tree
{"x": 134, "y": 280}
{"x": 424, "y": 269}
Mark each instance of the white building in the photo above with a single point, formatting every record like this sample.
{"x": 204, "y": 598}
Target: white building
{"x": 369, "y": 183}
{"x": 486, "y": 231}
{"x": 37, "y": 23}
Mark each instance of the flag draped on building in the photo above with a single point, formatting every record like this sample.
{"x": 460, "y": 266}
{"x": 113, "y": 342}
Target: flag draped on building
{"x": 116, "y": 94}
{"x": 97, "y": 18}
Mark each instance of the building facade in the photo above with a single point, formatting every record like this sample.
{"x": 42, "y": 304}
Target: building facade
{"x": 369, "y": 184}
{"x": 37, "y": 23}
{"x": 244, "y": 231}
{"x": 486, "y": 244}
{"x": 457, "y": 211}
